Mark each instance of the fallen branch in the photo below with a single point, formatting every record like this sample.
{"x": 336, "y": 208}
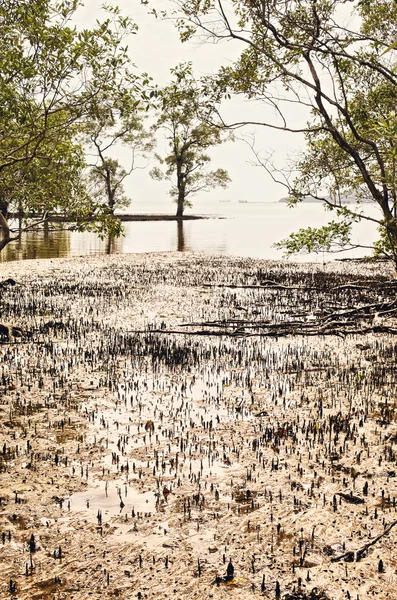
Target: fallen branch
{"x": 359, "y": 554}
{"x": 278, "y": 331}
{"x": 272, "y": 285}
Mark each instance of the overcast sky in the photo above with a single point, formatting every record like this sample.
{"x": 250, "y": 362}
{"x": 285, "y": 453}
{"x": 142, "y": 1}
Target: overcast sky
{"x": 156, "y": 49}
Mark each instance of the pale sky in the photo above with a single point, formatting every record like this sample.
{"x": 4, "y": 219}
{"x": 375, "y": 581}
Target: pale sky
{"x": 155, "y": 49}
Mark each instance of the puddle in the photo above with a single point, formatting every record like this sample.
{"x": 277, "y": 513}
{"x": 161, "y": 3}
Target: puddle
{"x": 116, "y": 500}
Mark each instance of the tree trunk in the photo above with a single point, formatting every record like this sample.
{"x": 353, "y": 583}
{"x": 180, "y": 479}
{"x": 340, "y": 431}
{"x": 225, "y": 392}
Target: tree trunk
{"x": 3, "y": 206}
{"x": 6, "y": 237}
{"x": 109, "y": 190}
{"x": 392, "y": 233}
{"x": 181, "y": 185}
{"x": 111, "y": 202}
{"x": 21, "y": 215}
{"x": 181, "y": 204}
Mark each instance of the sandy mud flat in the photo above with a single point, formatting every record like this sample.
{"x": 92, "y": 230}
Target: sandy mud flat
{"x": 158, "y": 422}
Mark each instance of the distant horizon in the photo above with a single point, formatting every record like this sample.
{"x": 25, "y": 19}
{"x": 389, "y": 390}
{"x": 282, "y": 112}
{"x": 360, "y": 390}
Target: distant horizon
{"x": 236, "y": 157}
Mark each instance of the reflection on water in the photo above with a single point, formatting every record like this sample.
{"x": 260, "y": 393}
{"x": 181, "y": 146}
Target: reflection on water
{"x": 248, "y": 230}
{"x": 39, "y": 244}
{"x": 181, "y": 237}
{"x": 114, "y": 245}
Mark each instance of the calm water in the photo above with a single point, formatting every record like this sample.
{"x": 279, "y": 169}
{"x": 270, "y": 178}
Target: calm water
{"x": 246, "y": 229}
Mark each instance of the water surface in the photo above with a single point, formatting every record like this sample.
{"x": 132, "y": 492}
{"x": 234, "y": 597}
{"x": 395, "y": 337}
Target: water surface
{"x": 233, "y": 228}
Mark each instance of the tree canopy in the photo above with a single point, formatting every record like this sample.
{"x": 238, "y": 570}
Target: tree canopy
{"x": 51, "y": 73}
{"x": 114, "y": 121}
{"x": 327, "y": 56}
{"x": 190, "y": 133}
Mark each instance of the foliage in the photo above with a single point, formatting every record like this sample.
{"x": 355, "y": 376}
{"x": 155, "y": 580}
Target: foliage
{"x": 105, "y": 183}
{"x": 98, "y": 219}
{"x": 327, "y": 58}
{"x": 50, "y": 76}
{"x": 334, "y": 236}
{"x": 50, "y": 180}
{"x": 190, "y": 133}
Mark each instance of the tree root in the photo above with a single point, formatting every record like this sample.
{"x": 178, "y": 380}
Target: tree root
{"x": 361, "y": 321}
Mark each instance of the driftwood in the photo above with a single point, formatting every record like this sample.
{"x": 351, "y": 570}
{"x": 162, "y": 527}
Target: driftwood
{"x": 357, "y": 555}
{"x": 351, "y": 499}
{"x": 8, "y": 283}
{"x": 9, "y": 331}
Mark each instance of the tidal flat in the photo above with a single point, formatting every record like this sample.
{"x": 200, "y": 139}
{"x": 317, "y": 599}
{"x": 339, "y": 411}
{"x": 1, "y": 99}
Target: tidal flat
{"x": 164, "y": 416}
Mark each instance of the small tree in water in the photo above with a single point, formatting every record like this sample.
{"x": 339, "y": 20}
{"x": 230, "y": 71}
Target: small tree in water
{"x": 190, "y": 133}
{"x": 117, "y": 120}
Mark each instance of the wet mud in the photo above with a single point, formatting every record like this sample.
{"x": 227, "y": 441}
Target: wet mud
{"x": 228, "y": 460}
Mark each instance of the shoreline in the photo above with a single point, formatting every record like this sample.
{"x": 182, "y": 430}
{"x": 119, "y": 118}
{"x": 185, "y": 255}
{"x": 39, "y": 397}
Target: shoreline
{"x": 142, "y": 461}
{"x": 136, "y": 217}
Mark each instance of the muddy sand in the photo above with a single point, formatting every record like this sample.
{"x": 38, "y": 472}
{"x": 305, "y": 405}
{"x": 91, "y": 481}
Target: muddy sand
{"x": 137, "y": 463}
